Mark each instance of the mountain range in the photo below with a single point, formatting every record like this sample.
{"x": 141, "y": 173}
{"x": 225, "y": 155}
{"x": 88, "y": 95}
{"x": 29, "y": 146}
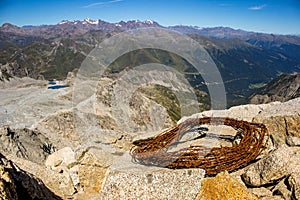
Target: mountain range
{"x": 246, "y": 60}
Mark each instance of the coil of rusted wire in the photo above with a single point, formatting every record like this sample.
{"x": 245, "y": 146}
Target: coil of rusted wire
{"x": 154, "y": 151}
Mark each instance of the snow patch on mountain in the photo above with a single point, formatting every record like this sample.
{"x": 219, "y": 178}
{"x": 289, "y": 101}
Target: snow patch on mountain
{"x": 149, "y": 22}
{"x": 90, "y": 21}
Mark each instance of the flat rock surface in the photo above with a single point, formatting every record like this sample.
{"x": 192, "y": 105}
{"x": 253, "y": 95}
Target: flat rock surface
{"x": 160, "y": 184}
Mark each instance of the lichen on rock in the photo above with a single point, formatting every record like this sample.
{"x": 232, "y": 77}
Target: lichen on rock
{"x": 224, "y": 187}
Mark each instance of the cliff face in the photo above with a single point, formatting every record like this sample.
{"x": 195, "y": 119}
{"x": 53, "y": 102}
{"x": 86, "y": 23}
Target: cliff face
{"x": 18, "y": 184}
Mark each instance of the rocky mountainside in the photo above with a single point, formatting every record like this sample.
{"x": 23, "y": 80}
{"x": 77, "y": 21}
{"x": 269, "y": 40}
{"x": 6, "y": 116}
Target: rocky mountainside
{"x": 51, "y": 51}
{"x": 282, "y": 88}
{"x": 82, "y": 151}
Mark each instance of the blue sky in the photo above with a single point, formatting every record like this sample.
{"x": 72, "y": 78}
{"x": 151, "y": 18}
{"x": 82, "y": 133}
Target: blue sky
{"x": 270, "y": 16}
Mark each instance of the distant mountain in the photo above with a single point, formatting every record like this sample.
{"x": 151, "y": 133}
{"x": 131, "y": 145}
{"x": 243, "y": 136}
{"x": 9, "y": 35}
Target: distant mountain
{"x": 243, "y": 58}
{"x": 73, "y": 28}
{"x": 286, "y": 44}
{"x": 218, "y": 32}
{"x": 282, "y": 88}
{"x": 230, "y": 33}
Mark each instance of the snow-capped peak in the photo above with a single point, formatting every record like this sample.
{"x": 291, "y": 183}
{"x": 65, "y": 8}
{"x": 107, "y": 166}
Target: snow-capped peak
{"x": 63, "y": 22}
{"x": 149, "y": 21}
{"x": 90, "y": 21}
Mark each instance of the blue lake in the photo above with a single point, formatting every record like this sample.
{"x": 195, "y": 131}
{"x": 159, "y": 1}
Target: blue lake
{"x": 51, "y": 82}
{"x": 57, "y": 86}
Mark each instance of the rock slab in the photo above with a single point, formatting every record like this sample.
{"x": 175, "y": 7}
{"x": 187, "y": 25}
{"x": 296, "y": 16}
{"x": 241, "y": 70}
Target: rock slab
{"x": 160, "y": 184}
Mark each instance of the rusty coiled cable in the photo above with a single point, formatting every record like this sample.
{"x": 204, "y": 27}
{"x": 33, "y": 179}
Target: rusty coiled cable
{"x": 154, "y": 151}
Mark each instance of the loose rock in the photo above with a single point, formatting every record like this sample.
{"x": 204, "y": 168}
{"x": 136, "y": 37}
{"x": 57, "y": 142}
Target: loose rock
{"x": 261, "y": 192}
{"x": 269, "y": 170}
{"x": 62, "y": 157}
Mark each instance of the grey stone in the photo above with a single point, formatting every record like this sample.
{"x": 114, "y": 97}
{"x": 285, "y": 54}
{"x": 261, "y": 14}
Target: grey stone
{"x": 278, "y": 164}
{"x": 242, "y": 112}
{"x": 160, "y": 184}
{"x": 282, "y": 121}
{"x": 261, "y": 192}
{"x": 293, "y": 141}
{"x": 62, "y": 157}
{"x": 25, "y": 143}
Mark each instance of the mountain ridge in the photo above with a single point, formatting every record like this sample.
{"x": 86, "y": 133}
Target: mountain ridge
{"x": 150, "y": 22}
{"x": 67, "y": 28}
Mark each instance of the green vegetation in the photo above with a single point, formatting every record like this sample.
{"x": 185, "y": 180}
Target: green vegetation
{"x": 5, "y": 76}
{"x": 144, "y": 56}
{"x": 67, "y": 61}
{"x": 256, "y": 85}
{"x": 165, "y": 97}
{"x": 203, "y": 100}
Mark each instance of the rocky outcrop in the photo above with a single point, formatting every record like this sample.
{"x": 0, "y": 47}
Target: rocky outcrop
{"x": 8, "y": 189}
{"x": 279, "y": 170}
{"x": 61, "y": 125}
{"x": 81, "y": 173}
{"x": 277, "y": 165}
{"x": 261, "y": 192}
{"x": 25, "y": 143}
{"x": 282, "y": 121}
{"x": 58, "y": 179}
{"x": 243, "y": 112}
{"x": 92, "y": 166}
{"x": 63, "y": 157}
{"x": 17, "y": 184}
